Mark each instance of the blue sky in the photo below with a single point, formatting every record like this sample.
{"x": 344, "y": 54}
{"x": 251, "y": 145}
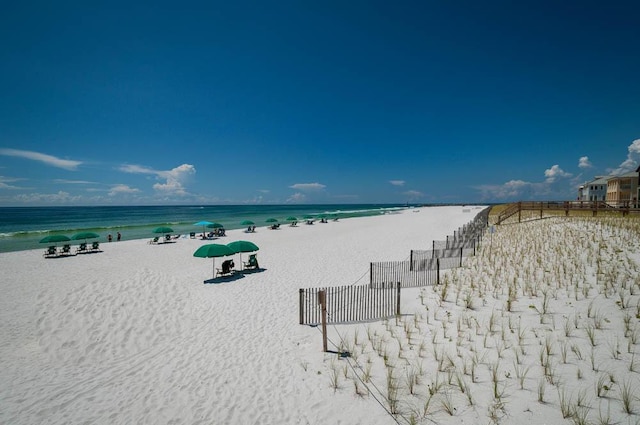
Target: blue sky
{"x": 315, "y": 102}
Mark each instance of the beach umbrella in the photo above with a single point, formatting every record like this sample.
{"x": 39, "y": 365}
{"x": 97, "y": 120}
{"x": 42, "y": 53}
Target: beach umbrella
{"x": 308, "y": 217}
{"x": 292, "y": 218}
{"x": 271, "y": 220}
{"x": 165, "y": 230}
{"x": 215, "y": 226}
{"x": 247, "y": 223}
{"x": 242, "y": 246}
{"x": 54, "y": 239}
{"x": 85, "y": 236}
{"x": 203, "y": 224}
{"x": 213, "y": 250}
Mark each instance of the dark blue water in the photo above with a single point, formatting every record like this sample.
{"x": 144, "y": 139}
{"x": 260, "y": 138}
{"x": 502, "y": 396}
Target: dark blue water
{"x": 22, "y": 228}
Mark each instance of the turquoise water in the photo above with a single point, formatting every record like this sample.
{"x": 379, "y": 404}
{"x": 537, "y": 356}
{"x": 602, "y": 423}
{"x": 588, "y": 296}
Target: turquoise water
{"x": 21, "y": 228}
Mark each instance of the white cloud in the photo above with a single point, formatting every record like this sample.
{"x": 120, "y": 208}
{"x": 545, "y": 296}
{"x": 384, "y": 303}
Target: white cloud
{"x": 174, "y": 179}
{"x": 554, "y": 173}
{"x": 584, "y": 162}
{"x": 122, "y": 188}
{"x": 510, "y": 189}
{"x": 44, "y": 158}
{"x": 137, "y": 169}
{"x": 48, "y": 198}
{"x": 73, "y": 181}
{"x": 296, "y": 198}
{"x": 4, "y": 180}
{"x": 413, "y": 194}
{"x": 397, "y": 182}
{"x": 308, "y": 186}
{"x": 633, "y": 159}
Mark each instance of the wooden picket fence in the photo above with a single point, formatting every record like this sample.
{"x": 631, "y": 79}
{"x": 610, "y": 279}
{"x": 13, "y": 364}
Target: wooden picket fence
{"x": 349, "y": 304}
{"x": 381, "y": 298}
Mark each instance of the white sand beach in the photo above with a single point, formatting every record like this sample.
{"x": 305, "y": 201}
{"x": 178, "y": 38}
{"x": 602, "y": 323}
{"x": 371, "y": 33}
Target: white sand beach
{"x": 132, "y": 335}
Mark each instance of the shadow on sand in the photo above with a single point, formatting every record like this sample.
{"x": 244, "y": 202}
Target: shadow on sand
{"x": 236, "y": 276}
{"x": 225, "y": 279}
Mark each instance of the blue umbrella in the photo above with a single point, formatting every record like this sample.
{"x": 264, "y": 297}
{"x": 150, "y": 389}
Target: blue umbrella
{"x": 203, "y": 223}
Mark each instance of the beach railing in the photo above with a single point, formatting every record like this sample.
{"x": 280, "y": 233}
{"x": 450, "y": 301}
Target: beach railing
{"x": 349, "y": 304}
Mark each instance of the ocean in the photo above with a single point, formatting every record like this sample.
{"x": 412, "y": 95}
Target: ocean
{"x": 21, "y": 228}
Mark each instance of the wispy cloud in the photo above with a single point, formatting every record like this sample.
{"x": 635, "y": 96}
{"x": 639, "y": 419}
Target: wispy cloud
{"x": 413, "y": 195}
{"x": 584, "y": 162}
{"x": 296, "y": 198}
{"x": 510, "y": 189}
{"x": 4, "y": 180}
{"x": 397, "y": 182}
{"x": 42, "y": 157}
{"x": 174, "y": 179}
{"x": 308, "y": 186}
{"x": 65, "y": 181}
{"x": 631, "y": 163}
{"x": 48, "y": 198}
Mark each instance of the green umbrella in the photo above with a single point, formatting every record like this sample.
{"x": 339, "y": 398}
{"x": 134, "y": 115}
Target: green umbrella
{"x": 247, "y": 223}
{"x": 213, "y": 250}
{"x": 54, "y": 239}
{"x": 292, "y": 218}
{"x": 164, "y": 230}
{"x": 215, "y": 226}
{"x": 308, "y": 217}
{"x": 85, "y": 236}
{"x": 242, "y": 246}
{"x": 271, "y": 220}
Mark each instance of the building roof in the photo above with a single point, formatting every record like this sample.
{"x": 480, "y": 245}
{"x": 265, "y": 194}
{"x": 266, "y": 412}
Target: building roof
{"x": 598, "y": 180}
{"x": 623, "y": 176}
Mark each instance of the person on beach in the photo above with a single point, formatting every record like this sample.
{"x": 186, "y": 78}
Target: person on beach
{"x": 109, "y": 238}
{"x": 119, "y": 237}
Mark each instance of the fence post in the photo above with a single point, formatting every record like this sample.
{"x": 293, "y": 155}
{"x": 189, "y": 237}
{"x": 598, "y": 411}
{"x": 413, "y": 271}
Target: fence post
{"x": 474, "y": 247}
{"x": 433, "y": 249}
{"x": 301, "y": 292}
{"x": 411, "y": 261}
{"x": 370, "y": 275}
{"x": 461, "y": 256}
{"x": 398, "y": 301}
{"x": 322, "y": 300}
{"x": 438, "y": 271}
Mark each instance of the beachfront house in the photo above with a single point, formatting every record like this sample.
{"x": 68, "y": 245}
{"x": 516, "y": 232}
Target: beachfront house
{"x": 622, "y": 190}
{"x": 595, "y": 190}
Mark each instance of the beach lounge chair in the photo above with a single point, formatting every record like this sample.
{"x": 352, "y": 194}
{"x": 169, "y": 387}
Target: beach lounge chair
{"x": 154, "y": 240}
{"x": 81, "y": 248}
{"x": 252, "y": 263}
{"x": 95, "y": 246}
{"x": 66, "y": 250}
{"x": 192, "y": 235}
{"x": 167, "y": 238}
{"x": 227, "y": 268}
{"x": 51, "y": 252}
